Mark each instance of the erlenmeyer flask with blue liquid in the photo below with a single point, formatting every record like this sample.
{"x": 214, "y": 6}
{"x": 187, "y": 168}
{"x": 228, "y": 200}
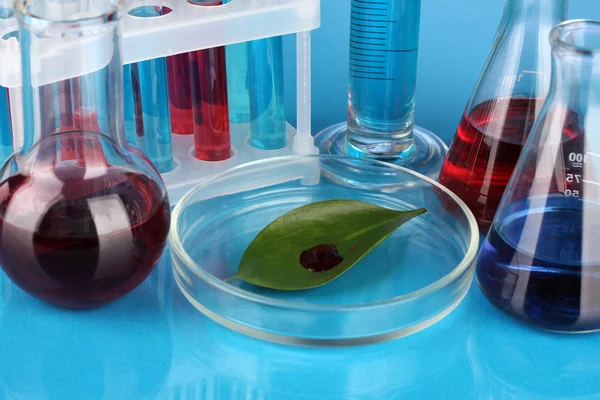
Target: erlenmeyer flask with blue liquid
{"x": 541, "y": 259}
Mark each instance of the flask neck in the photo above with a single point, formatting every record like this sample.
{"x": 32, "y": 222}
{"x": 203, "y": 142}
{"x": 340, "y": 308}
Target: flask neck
{"x": 576, "y": 63}
{"x": 80, "y": 87}
{"x": 535, "y": 13}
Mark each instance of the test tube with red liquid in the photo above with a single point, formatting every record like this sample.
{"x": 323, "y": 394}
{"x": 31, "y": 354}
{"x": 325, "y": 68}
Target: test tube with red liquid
{"x": 198, "y": 98}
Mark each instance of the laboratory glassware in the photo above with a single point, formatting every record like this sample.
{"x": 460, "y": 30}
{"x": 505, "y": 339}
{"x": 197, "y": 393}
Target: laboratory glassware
{"x": 147, "y": 119}
{"x": 412, "y": 280}
{"x": 180, "y": 94}
{"x": 6, "y": 141}
{"x": 503, "y": 107}
{"x": 84, "y": 217}
{"x": 384, "y": 37}
{"x": 6, "y": 133}
{"x": 208, "y": 79}
{"x": 265, "y": 84}
{"x": 237, "y": 82}
{"x": 541, "y": 259}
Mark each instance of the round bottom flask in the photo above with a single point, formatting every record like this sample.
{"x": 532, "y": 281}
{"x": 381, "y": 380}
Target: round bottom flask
{"x": 83, "y": 217}
{"x": 81, "y": 232}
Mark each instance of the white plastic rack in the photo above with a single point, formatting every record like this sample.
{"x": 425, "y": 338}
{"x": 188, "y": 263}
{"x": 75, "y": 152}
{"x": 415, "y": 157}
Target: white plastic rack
{"x": 188, "y": 27}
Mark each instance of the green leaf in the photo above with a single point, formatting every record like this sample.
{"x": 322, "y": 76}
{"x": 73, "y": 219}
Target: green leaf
{"x": 314, "y": 244}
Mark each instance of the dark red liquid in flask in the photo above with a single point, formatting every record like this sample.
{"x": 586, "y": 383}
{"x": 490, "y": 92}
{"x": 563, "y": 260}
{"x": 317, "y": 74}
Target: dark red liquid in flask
{"x": 485, "y": 151}
{"x": 80, "y": 234}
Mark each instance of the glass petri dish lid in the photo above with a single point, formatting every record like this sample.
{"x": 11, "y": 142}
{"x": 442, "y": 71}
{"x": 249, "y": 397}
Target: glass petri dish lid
{"x": 413, "y": 279}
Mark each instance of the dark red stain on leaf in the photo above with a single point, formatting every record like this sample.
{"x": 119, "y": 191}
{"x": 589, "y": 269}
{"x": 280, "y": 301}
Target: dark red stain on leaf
{"x": 322, "y": 257}
{"x": 352, "y": 248}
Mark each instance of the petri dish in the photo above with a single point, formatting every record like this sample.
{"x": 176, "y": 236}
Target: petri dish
{"x": 413, "y": 279}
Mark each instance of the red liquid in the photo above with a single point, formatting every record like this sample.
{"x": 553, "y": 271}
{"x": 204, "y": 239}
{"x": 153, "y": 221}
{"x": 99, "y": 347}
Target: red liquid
{"x": 78, "y": 235}
{"x": 484, "y": 153}
{"x": 212, "y": 137}
{"x": 180, "y": 94}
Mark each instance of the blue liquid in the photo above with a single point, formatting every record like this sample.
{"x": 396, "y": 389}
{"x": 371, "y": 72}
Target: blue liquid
{"x": 147, "y": 116}
{"x": 543, "y": 265}
{"x": 265, "y": 74}
{"x": 6, "y": 142}
{"x": 237, "y": 82}
{"x": 383, "y": 72}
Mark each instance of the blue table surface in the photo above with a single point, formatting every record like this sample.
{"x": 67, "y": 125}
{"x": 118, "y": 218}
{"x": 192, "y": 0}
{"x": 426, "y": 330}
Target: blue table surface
{"x": 153, "y": 344}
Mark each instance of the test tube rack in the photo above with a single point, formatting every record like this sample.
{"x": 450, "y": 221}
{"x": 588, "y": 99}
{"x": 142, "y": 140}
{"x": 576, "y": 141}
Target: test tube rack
{"x": 188, "y": 27}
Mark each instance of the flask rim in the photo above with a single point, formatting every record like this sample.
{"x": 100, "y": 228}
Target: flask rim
{"x": 110, "y": 13}
{"x": 560, "y": 41}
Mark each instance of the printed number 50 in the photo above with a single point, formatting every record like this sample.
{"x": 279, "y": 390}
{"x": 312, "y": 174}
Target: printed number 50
{"x": 571, "y": 193}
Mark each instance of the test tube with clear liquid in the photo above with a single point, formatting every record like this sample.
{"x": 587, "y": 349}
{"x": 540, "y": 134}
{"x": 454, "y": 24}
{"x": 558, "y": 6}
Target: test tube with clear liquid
{"x": 384, "y": 38}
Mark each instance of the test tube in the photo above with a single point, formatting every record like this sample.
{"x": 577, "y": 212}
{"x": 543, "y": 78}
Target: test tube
{"x": 237, "y": 81}
{"x": 6, "y": 131}
{"x": 147, "y": 118}
{"x": 265, "y": 77}
{"x": 6, "y": 141}
{"x": 180, "y": 94}
{"x": 208, "y": 78}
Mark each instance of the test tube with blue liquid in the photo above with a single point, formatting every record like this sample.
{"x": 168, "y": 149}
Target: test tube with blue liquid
{"x": 147, "y": 118}
{"x": 255, "y": 88}
{"x": 237, "y": 81}
{"x": 384, "y": 42}
{"x": 6, "y": 132}
{"x": 265, "y": 83}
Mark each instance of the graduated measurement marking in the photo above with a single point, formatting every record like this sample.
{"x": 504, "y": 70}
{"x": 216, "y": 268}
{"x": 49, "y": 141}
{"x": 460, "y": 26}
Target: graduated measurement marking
{"x": 578, "y": 159}
{"x": 511, "y": 80}
{"x": 591, "y": 182}
{"x": 369, "y": 35}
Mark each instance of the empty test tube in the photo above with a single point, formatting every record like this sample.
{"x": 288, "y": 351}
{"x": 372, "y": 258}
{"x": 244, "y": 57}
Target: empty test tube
{"x": 147, "y": 118}
{"x": 265, "y": 77}
{"x": 208, "y": 77}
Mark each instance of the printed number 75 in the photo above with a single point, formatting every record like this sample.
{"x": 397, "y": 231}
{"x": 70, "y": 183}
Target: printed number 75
{"x": 573, "y": 178}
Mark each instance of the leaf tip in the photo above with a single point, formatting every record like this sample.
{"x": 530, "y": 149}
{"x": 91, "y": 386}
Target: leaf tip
{"x": 231, "y": 278}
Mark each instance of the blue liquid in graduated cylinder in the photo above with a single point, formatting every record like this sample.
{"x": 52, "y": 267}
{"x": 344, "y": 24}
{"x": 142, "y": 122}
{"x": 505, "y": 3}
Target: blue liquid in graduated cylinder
{"x": 147, "y": 117}
{"x": 543, "y": 265}
{"x": 384, "y": 38}
{"x": 265, "y": 74}
{"x": 6, "y": 140}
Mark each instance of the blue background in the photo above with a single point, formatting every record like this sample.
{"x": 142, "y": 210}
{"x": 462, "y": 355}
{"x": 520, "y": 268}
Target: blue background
{"x": 455, "y": 39}
{"x": 153, "y": 344}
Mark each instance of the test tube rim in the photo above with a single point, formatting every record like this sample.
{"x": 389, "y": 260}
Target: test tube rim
{"x": 461, "y": 268}
{"x": 26, "y": 17}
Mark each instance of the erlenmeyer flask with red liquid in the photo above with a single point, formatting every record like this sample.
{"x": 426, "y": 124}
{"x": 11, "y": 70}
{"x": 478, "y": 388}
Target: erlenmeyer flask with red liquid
{"x": 503, "y": 107}
{"x": 83, "y": 217}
